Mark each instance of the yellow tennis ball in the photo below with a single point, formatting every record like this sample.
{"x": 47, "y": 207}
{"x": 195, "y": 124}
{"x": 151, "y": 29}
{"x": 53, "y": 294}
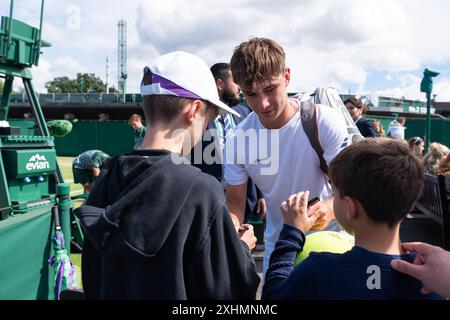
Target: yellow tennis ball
{"x": 325, "y": 241}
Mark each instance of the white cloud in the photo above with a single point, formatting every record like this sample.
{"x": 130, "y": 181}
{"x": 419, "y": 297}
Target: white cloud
{"x": 46, "y": 71}
{"x": 337, "y": 43}
{"x": 68, "y": 66}
{"x": 331, "y": 43}
{"x": 41, "y": 74}
{"x": 348, "y": 73}
{"x": 442, "y": 89}
{"x": 409, "y": 87}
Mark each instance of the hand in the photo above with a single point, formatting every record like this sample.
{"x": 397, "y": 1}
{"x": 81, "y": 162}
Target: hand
{"x": 323, "y": 213}
{"x": 262, "y": 209}
{"x": 247, "y": 235}
{"x": 294, "y": 211}
{"x": 431, "y": 266}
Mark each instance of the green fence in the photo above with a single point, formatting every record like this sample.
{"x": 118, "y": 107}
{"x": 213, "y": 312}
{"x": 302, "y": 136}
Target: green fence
{"x": 440, "y": 128}
{"x": 116, "y": 136}
{"x": 113, "y": 137}
{"x": 100, "y": 98}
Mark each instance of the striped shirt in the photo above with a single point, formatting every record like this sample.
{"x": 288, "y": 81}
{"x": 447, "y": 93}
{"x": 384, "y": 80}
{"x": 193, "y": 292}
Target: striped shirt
{"x": 89, "y": 159}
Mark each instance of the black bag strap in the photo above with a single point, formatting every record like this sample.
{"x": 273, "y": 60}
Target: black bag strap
{"x": 309, "y": 123}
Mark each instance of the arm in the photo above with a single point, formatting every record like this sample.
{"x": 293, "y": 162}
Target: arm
{"x": 236, "y": 197}
{"x": 333, "y": 135}
{"x": 262, "y": 208}
{"x": 259, "y": 194}
{"x": 282, "y": 261}
{"x": 261, "y": 203}
{"x": 280, "y": 281}
{"x": 95, "y": 171}
{"x": 236, "y": 177}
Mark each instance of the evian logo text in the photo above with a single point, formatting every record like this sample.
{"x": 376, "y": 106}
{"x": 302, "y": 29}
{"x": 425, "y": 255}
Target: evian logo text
{"x": 37, "y": 162}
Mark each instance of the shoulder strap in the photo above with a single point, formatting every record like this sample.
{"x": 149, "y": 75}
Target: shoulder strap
{"x": 309, "y": 124}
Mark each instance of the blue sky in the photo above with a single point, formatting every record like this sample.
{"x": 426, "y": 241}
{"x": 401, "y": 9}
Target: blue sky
{"x": 365, "y": 46}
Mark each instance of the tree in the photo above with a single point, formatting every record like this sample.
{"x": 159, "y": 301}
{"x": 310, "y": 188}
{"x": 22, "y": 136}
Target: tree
{"x": 89, "y": 83}
{"x": 84, "y": 83}
{"x": 113, "y": 90}
{"x": 62, "y": 85}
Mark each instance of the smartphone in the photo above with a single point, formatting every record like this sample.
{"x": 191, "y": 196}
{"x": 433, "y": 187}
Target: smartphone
{"x": 313, "y": 201}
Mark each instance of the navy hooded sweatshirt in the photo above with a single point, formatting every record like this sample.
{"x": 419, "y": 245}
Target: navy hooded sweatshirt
{"x": 159, "y": 230}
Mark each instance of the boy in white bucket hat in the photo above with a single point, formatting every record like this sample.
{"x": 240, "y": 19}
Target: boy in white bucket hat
{"x": 157, "y": 228}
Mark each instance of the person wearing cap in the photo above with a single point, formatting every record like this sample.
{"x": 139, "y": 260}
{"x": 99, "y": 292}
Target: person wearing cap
{"x": 157, "y": 227}
{"x": 280, "y": 159}
{"x": 357, "y": 109}
{"x": 207, "y": 155}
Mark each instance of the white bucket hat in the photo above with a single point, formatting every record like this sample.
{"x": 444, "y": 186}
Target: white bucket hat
{"x": 184, "y": 75}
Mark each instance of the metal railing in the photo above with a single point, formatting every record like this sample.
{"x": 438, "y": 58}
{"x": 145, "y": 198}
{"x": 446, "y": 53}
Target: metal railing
{"x": 89, "y": 98}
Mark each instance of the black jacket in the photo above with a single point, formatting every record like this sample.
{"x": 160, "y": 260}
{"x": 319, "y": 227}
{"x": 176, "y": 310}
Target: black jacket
{"x": 157, "y": 230}
{"x": 367, "y": 128}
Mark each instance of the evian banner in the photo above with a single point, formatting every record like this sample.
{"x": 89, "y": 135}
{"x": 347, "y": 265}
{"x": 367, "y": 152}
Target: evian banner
{"x": 29, "y": 162}
{"x": 37, "y": 162}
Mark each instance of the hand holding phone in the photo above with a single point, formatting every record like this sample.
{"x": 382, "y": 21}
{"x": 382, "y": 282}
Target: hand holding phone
{"x": 294, "y": 211}
{"x": 312, "y": 202}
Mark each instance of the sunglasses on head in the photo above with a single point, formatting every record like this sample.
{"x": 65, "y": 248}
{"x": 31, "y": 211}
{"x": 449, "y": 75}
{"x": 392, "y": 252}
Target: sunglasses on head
{"x": 416, "y": 140}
